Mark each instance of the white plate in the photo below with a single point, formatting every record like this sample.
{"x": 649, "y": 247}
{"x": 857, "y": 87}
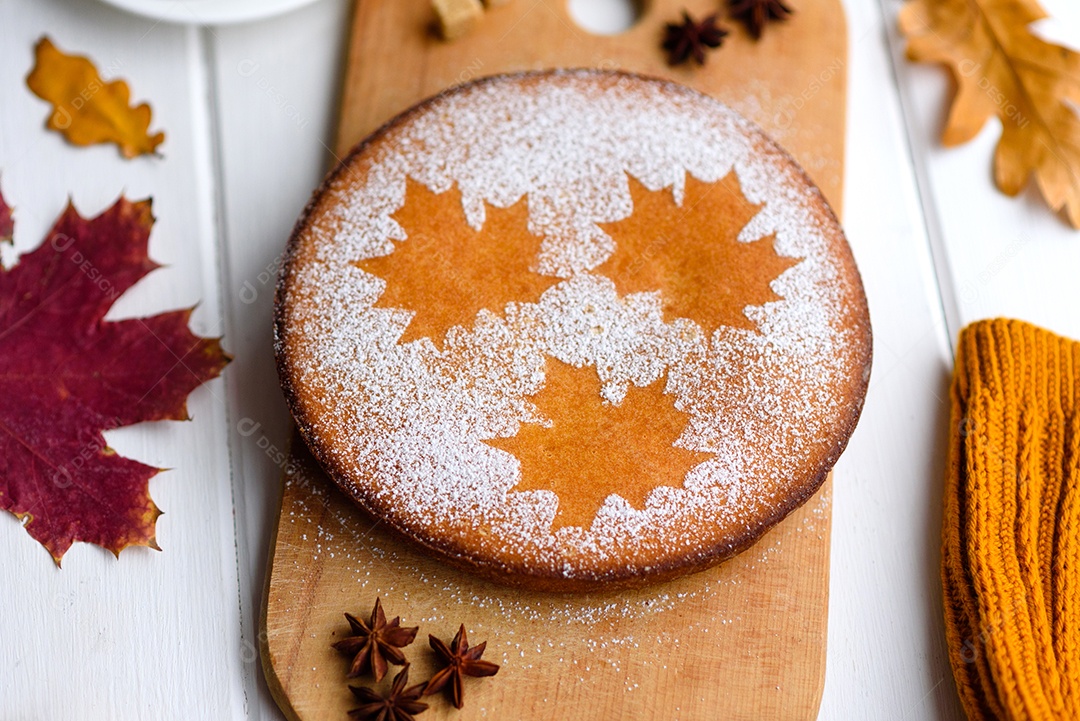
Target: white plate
{"x": 207, "y": 12}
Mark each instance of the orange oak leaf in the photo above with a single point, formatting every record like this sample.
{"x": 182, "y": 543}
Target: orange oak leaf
{"x": 594, "y": 449}
{"x": 1001, "y": 68}
{"x": 691, "y": 254}
{"x": 7, "y": 224}
{"x": 66, "y": 375}
{"x": 86, "y": 109}
{"x": 446, "y": 271}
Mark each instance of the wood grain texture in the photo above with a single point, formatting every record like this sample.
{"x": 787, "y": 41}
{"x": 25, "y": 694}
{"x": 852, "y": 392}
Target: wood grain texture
{"x": 792, "y": 83}
{"x": 745, "y": 640}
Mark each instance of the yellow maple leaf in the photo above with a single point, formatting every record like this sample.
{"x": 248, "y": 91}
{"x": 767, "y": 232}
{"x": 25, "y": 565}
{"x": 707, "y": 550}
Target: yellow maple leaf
{"x": 593, "y": 449}
{"x": 86, "y": 109}
{"x": 1002, "y": 69}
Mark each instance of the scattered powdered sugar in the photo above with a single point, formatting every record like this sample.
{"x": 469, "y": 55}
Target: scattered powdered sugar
{"x": 628, "y": 631}
{"x": 409, "y": 420}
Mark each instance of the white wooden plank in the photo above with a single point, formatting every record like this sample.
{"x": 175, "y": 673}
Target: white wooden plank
{"x": 152, "y": 635}
{"x": 886, "y": 656}
{"x": 276, "y": 83}
{"x": 1004, "y": 257}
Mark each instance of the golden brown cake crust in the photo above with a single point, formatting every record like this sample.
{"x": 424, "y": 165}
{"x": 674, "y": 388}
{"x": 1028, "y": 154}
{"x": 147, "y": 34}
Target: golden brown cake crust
{"x": 573, "y": 329}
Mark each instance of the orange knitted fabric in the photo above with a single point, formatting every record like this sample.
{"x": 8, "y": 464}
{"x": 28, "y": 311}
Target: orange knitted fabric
{"x": 1011, "y": 538}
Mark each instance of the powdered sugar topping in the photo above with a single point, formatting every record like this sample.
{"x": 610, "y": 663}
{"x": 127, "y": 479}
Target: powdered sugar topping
{"x": 410, "y": 419}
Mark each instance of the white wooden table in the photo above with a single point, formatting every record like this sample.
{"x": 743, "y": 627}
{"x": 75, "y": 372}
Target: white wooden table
{"x": 248, "y": 111}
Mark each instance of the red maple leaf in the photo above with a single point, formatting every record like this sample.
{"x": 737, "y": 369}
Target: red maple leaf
{"x": 66, "y": 375}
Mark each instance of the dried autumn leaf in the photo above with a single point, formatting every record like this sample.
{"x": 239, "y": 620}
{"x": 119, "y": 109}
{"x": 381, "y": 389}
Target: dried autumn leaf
{"x": 1002, "y": 69}
{"x": 86, "y": 109}
{"x": 66, "y": 375}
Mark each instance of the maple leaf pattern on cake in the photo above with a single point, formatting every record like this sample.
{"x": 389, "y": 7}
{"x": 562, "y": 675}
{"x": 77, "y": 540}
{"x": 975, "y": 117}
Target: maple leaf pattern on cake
{"x": 445, "y": 271}
{"x": 592, "y": 449}
{"x": 709, "y": 280}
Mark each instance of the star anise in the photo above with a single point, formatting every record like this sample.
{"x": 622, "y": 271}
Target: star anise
{"x": 375, "y": 643}
{"x": 754, "y": 14}
{"x": 458, "y": 661}
{"x": 401, "y": 705}
{"x": 689, "y": 39}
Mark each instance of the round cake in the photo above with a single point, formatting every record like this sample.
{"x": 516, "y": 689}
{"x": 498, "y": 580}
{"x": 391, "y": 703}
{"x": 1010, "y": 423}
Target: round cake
{"x": 573, "y": 329}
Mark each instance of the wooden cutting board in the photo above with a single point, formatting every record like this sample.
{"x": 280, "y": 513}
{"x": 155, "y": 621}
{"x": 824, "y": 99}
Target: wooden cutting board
{"x": 745, "y": 640}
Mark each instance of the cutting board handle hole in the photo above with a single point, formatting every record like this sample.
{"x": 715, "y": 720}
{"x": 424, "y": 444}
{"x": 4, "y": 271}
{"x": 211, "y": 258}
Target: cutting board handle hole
{"x": 606, "y": 17}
